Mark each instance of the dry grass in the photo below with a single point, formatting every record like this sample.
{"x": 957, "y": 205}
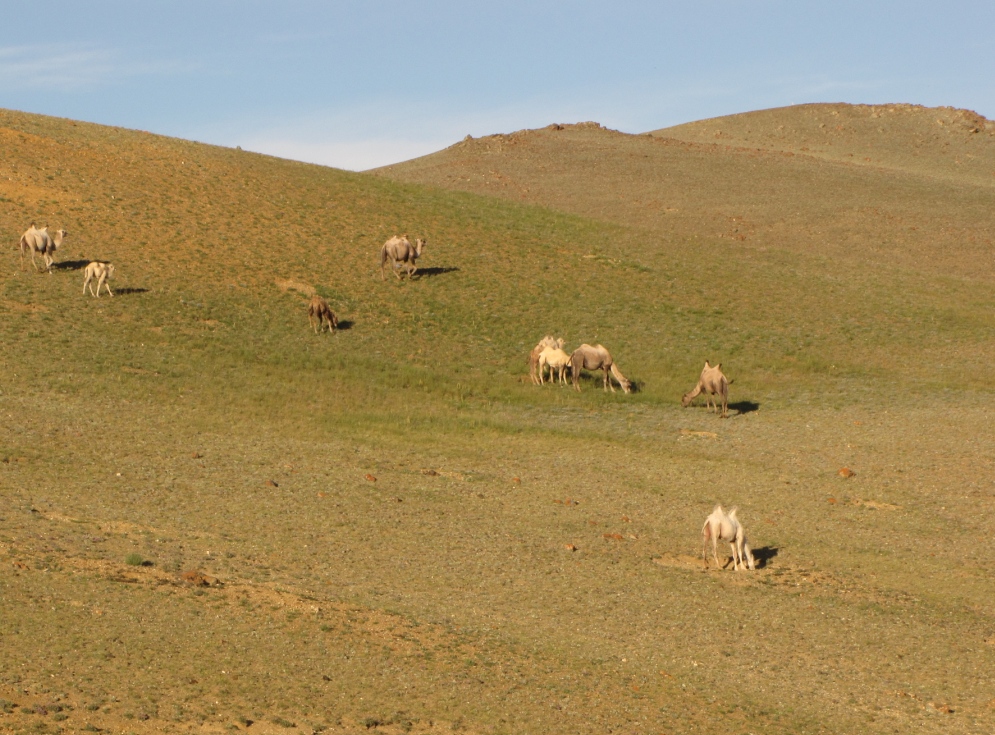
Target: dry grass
{"x": 524, "y": 559}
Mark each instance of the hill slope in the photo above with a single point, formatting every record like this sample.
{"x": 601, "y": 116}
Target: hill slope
{"x": 921, "y": 203}
{"x": 398, "y": 532}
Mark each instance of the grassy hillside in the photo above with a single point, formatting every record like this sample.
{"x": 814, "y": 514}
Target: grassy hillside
{"x": 400, "y": 533}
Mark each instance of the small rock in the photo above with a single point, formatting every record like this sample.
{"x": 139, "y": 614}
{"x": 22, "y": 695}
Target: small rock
{"x": 197, "y": 578}
{"x": 846, "y": 472}
{"x": 272, "y": 483}
{"x": 570, "y": 547}
{"x": 371, "y": 478}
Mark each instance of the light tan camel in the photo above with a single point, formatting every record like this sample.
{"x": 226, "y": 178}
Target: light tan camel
{"x": 557, "y": 360}
{"x": 713, "y": 383}
{"x": 597, "y": 357}
{"x": 101, "y": 272}
{"x": 399, "y": 251}
{"x": 39, "y": 241}
{"x": 547, "y": 341}
{"x": 722, "y": 526}
{"x": 318, "y": 313}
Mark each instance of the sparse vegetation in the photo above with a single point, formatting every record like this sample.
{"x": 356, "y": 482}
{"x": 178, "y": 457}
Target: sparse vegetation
{"x": 397, "y": 528}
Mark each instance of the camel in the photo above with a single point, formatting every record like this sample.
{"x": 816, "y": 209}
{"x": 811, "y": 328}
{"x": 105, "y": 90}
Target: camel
{"x": 400, "y": 251}
{"x": 102, "y": 272}
{"x": 39, "y": 241}
{"x": 587, "y": 357}
{"x": 556, "y": 359}
{"x": 547, "y": 341}
{"x": 722, "y": 526}
{"x": 713, "y": 383}
{"x": 318, "y": 312}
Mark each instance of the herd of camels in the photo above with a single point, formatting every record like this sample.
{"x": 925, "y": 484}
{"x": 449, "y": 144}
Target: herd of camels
{"x": 401, "y": 254}
{"x": 548, "y": 354}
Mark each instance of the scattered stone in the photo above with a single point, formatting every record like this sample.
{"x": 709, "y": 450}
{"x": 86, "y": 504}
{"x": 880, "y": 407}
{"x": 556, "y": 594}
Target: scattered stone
{"x": 570, "y": 547}
{"x": 272, "y": 483}
{"x": 197, "y": 578}
{"x": 615, "y": 536}
{"x": 371, "y": 478}
{"x": 430, "y": 473}
{"x": 846, "y": 472}
{"x": 196, "y": 455}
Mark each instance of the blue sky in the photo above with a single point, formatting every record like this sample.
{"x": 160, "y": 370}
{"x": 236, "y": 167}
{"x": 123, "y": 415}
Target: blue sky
{"x": 362, "y": 84}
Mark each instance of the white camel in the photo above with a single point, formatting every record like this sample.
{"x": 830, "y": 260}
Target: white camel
{"x": 40, "y": 241}
{"x": 597, "y": 357}
{"x": 101, "y": 272}
{"x": 547, "y": 341}
{"x": 712, "y": 383}
{"x": 399, "y": 251}
{"x": 722, "y": 526}
{"x": 557, "y": 361}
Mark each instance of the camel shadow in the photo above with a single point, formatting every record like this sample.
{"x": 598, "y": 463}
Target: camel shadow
{"x": 742, "y": 407}
{"x": 344, "y": 325}
{"x": 70, "y": 265}
{"x": 129, "y": 291}
{"x": 435, "y": 271}
{"x": 763, "y": 555}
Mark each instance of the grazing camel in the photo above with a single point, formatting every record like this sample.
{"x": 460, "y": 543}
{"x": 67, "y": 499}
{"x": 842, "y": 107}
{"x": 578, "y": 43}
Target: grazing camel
{"x": 547, "y": 341}
{"x": 318, "y": 313}
{"x": 399, "y": 251}
{"x": 101, "y": 272}
{"x": 556, "y": 359}
{"x": 713, "y": 383}
{"x": 40, "y": 241}
{"x": 722, "y": 526}
{"x": 597, "y": 357}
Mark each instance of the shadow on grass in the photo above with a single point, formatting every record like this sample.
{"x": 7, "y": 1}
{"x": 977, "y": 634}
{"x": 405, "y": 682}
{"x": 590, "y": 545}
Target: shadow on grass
{"x": 744, "y": 406}
{"x": 763, "y": 555}
{"x": 435, "y": 271}
{"x": 129, "y": 291}
{"x": 70, "y": 265}
{"x": 344, "y": 325}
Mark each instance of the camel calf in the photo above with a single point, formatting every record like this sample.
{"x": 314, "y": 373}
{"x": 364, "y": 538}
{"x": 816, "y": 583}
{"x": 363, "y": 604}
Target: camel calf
{"x": 318, "y": 313}
{"x": 713, "y": 383}
{"x": 722, "y": 526}
{"x": 101, "y": 272}
{"x": 547, "y": 341}
{"x": 557, "y": 360}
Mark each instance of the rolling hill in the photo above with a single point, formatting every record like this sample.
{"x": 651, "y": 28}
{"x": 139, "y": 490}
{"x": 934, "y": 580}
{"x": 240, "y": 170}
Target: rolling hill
{"x": 216, "y": 520}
